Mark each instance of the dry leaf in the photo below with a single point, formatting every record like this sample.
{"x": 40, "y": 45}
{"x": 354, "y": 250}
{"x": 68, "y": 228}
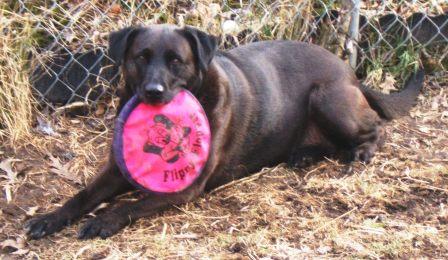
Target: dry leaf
{"x": 355, "y": 245}
{"x": 444, "y": 114}
{"x": 20, "y": 252}
{"x": 100, "y": 110}
{"x": 63, "y": 170}
{"x": 323, "y": 250}
{"x": 115, "y": 9}
{"x": 82, "y": 250}
{"x": 424, "y": 129}
{"x": 215, "y": 9}
{"x": 32, "y": 211}
{"x": 8, "y": 192}
{"x": 435, "y": 104}
{"x": 11, "y": 176}
{"x": 18, "y": 244}
{"x": 229, "y": 27}
{"x": 6, "y": 166}
{"x": 9, "y": 243}
{"x": 388, "y": 83}
{"x": 45, "y": 127}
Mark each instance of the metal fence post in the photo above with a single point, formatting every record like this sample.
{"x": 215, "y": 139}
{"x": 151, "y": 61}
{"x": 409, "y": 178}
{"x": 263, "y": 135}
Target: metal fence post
{"x": 353, "y": 33}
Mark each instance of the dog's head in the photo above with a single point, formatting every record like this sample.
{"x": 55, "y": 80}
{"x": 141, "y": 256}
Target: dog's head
{"x": 159, "y": 60}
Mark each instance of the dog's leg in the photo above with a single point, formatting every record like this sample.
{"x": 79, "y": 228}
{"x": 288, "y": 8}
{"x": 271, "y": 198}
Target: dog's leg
{"x": 107, "y": 185}
{"x": 112, "y": 221}
{"x": 343, "y": 114}
{"x": 312, "y": 146}
{"x": 304, "y": 156}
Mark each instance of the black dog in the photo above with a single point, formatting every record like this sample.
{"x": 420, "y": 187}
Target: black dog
{"x": 267, "y": 103}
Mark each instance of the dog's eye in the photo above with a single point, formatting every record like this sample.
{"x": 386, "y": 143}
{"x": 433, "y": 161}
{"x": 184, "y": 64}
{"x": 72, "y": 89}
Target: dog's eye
{"x": 141, "y": 58}
{"x": 175, "y": 61}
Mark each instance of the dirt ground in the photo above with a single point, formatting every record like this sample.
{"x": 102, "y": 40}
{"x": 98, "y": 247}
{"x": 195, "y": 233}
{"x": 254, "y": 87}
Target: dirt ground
{"x": 395, "y": 207}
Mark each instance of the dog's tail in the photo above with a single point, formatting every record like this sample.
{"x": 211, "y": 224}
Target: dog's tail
{"x": 394, "y": 105}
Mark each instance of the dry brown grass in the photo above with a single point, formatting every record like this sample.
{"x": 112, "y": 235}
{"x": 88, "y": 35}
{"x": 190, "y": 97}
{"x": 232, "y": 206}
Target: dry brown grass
{"x": 395, "y": 207}
{"x": 16, "y": 101}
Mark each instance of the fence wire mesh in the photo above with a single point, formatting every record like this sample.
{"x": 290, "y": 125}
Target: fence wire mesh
{"x": 69, "y": 60}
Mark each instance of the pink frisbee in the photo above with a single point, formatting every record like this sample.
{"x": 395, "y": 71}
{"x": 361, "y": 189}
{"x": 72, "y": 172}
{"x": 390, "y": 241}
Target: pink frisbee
{"x": 162, "y": 148}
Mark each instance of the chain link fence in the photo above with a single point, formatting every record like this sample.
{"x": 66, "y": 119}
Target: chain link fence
{"x": 382, "y": 40}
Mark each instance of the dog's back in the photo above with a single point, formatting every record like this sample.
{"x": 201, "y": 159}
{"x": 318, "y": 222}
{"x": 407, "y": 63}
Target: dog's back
{"x": 272, "y": 85}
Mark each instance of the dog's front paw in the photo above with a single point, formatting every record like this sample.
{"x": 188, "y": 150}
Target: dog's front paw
{"x": 45, "y": 225}
{"x": 101, "y": 226}
{"x": 364, "y": 152}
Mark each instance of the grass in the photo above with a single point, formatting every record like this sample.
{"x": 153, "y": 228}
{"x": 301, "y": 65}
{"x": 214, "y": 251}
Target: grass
{"x": 394, "y": 207}
{"x": 16, "y": 100}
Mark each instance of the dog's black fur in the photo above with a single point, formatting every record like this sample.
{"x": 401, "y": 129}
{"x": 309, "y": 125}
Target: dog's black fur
{"x": 267, "y": 103}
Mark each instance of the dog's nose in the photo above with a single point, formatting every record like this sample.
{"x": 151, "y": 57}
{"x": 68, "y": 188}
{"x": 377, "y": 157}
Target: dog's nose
{"x": 153, "y": 89}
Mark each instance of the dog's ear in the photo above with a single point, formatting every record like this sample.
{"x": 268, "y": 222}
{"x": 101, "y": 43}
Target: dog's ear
{"x": 119, "y": 42}
{"x": 202, "y": 44}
